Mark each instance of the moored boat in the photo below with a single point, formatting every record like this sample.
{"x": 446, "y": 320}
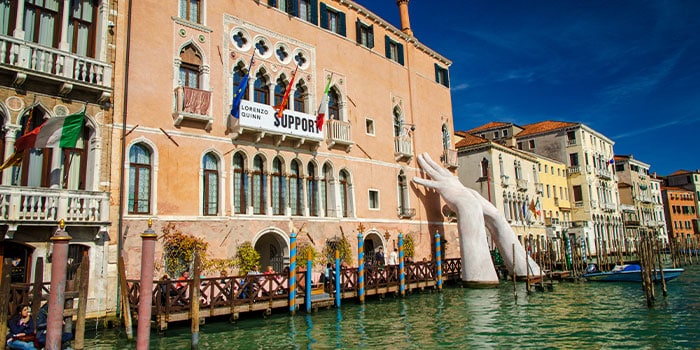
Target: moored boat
{"x": 629, "y": 273}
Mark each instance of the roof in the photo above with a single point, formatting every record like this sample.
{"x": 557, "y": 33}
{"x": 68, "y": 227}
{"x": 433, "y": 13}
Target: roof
{"x": 470, "y": 140}
{"x": 544, "y": 126}
{"x": 681, "y": 172}
{"x": 674, "y": 188}
{"x": 487, "y": 126}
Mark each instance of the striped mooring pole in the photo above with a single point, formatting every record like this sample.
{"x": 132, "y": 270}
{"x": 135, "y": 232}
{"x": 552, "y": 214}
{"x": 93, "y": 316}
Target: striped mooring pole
{"x": 402, "y": 274}
{"x": 292, "y": 272}
{"x": 307, "y": 297}
{"x": 361, "y": 266}
{"x": 337, "y": 278}
{"x": 438, "y": 261}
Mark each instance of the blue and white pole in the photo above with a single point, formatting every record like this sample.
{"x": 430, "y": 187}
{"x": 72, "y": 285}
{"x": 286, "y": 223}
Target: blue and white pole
{"x": 438, "y": 261}
{"x": 402, "y": 275}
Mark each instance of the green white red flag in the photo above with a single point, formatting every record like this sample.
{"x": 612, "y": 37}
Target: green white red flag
{"x": 321, "y": 115}
{"x": 62, "y": 132}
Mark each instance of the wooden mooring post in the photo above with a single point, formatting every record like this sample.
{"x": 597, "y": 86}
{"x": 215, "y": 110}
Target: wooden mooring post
{"x": 124, "y": 296}
{"x": 82, "y": 284}
{"x": 194, "y": 302}
{"x": 4, "y": 294}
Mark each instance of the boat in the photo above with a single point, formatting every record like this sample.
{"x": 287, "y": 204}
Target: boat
{"x": 628, "y": 273}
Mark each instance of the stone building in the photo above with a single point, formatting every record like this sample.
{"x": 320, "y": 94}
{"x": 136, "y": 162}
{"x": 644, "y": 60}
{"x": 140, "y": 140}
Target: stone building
{"x": 187, "y": 162}
{"x": 57, "y": 59}
{"x": 595, "y": 216}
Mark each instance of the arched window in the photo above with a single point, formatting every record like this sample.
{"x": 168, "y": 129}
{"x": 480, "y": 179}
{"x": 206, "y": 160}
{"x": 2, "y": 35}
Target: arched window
{"x": 74, "y": 162}
{"x": 190, "y": 67}
{"x": 296, "y": 196}
{"x": 326, "y": 190}
{"x": 139, "y": 180}
{"x": 334, "y": 104}
{"x": 300, "y": 95}
{"x": 398, "y": 122}
{"x": 261, "y": 89}
{"x": 312, "y": 189}
{"x": 36, "y": 163}
{"x": 280, "y": 89}
{"x": 239, "y": 184}
{"x": 258, "y": 186}
{"x": 485, "y": 168}
{"x": 210, "y": 184}
{"x": 277, "y": 188}
{"x": 446, "y": 143}
{"x": 238, "y": 73}
{"x": 402, "y": 190}
{"x": 344, "y": 183}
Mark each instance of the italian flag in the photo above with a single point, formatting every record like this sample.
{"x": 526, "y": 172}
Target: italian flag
{"x": 60, "y": 132}
{"x": 320, "y": 117}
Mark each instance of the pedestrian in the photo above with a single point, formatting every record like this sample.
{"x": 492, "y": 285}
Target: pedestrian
{"x": 379, "y": 257}
{"x": 21, "y": 334}
{"x": 394, "y": 257}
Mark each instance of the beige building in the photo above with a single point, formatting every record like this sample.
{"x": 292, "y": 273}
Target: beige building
{"x": 637, "y": 196}
{"x": 56, "y": 59}
{"x": 507, "y": 177}
{"x": 555, "y": 202}
{"x": 187, "y": 162}
{"x": 595, "y": 216}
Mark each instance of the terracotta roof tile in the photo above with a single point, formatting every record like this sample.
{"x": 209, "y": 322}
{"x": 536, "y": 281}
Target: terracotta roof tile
{"x": 680, "y": 172}
{"x": 544, "y": 126}
{"x": 488, "y": 126}
{"x": 470, "y": 140}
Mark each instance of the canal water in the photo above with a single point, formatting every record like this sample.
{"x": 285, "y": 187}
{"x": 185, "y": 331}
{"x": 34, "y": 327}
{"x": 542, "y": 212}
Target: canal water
{"x": 573, "y": 315}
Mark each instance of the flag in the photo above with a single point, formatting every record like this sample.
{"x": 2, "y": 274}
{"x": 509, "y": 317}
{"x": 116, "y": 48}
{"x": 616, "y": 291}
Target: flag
{"x": 538, "y": 208}
{"x": 320, "y": 117}
{"x": 524, "y": 210}
{"x": 532, "y": 208}
{"x": 62, "y": 132}
{"x": 14, "y": 159}
{"x": 283, "y": 104}
{"x": 238, "y": 95}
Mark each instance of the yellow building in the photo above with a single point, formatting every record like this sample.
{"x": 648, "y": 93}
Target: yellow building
{"x": 252, "y": 179}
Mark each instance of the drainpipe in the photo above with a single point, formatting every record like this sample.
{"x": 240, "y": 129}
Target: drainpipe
{"x": 120, "y": 227}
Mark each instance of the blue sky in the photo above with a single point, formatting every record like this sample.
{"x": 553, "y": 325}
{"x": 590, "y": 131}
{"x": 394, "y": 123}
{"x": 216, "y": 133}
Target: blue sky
{"x": 629, "y": 69}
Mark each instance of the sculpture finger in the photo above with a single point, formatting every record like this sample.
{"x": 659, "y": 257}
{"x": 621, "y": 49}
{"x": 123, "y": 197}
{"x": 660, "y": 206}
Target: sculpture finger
{"x": 426, "y": 182}
{"x": 434, "y": 174}
{"x": 439, "y": 169}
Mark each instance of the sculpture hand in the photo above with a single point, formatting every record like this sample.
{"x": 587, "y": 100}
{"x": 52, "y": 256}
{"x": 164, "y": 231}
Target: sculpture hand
{"x": 448, "y": 185}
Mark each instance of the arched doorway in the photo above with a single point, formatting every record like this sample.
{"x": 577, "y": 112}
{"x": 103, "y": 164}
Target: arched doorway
{"x": 371, "y": 244}
{"x": 21, "y": 256}
{"x": 273, "y": 248}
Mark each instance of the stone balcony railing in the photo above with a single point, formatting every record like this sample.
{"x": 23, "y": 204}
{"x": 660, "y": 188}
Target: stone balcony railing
{"x": 192, "y": 105}
{"x": 571, "y": 142}
{"x": 449, "y": 158}
{"x": 604, "y": 173}
{"x": 539, "y": 187}
{"x": 41, "y": 60}
{"x": 406, "y": 213}
{"x": 338, "y": 133}
{"x": 505, "y": 180}
{"x": 522, "y": 184}
{"x": 30, "y": 205}
{"x": 574, "y": 170}
{"x": 403, "y": 147}
{"x": 608, "y": 206}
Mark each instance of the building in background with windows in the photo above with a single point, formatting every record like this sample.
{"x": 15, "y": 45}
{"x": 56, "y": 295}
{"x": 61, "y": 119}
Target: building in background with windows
{"x": 384, "y": 94}
{"x": 690, "y": 180}
{"x": 681, "y": 212}
{"x": 595, "y": 216}
{"x": 637, "y": 203}
{"x": 505, "y": 176}
{"x": 57, "y": 59}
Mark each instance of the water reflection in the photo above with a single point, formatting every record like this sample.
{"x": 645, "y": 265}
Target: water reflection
{"x": 572, "y": 316}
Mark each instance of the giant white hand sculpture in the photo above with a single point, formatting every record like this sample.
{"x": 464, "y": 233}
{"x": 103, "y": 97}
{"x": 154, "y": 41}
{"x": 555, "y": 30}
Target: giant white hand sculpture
{"x": 474, "y": 215}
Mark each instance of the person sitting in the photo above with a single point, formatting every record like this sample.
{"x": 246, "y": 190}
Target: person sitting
{"x": 21, "y": 334}
{"x": 41, "y": 321}
{"x": 181, "y": 287}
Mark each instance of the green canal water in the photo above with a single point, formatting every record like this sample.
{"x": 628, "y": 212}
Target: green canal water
{"x": 572, "y": 316}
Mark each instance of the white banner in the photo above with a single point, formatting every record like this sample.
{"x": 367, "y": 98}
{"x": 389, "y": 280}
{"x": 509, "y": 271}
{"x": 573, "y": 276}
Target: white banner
{"x": 259, "y": 116}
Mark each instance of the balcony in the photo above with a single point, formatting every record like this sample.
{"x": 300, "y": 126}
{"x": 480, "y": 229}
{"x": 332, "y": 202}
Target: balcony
{"x": 578, "y": 204}
{"x": 575, "y": 169}
{"x": 594, "y": 204}
{"x": 539, "y": 187}
{"x": 571, "y": 142}
{"x": 403, "y": 147}
{"x": 257, "y": 121}
{"x": 604, "y": 173}
{"x": 608, "y": 206}
{"x": 192, "y": 105}
{"x": 338, "y": 133}
{"x": 449, "y": 158}
{"x": 522, "y": 184}
{"x": 406, "y": 213}
{"x": 64, "y": 70}
{"x": 505, "y": 180}
{"x": 45, "y": 206}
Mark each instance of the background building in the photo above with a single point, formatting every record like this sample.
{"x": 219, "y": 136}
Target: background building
{"x": 56, "y": 59}
{"x": 637, "y": 192}
{"x": 681, "y": 213}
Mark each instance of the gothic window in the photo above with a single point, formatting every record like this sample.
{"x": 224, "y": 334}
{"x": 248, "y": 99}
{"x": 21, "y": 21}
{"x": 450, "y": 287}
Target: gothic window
{"x": 239, "y": 184}
{"x": 277, "y": 187}
{"x": 258, "y": 186}
{"x": 345, "y": 195}
{"x": 334, "y": 104}
{"x": 190, "y": 67}
{"x": 312, "y": 189}
{"x": 210, "y": 182}
{"x": 300, "y": 95}
{"x": 296, "y": 194}
{"x": 139, "y": 201}
{"x": 261, "y": 89}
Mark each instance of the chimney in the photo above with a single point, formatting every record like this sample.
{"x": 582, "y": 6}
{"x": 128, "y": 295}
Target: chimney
{"x": 403, "y": 12}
